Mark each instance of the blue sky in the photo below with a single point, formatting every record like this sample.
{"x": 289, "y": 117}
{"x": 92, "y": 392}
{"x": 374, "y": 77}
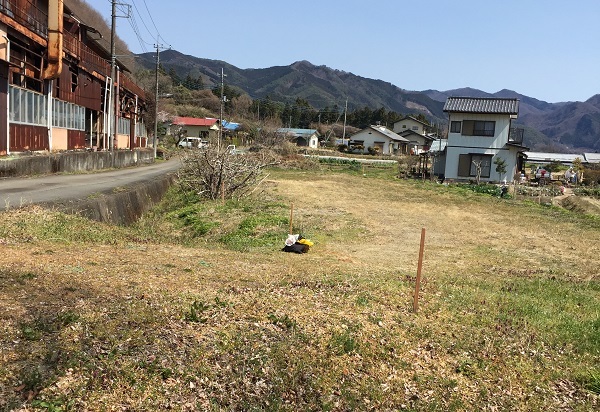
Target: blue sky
{"x": 546, "y": 49}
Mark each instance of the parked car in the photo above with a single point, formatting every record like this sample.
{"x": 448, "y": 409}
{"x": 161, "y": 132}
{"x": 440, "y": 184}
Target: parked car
{"x": 192, "y": 143}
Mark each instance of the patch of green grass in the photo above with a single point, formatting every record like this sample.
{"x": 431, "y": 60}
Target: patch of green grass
{"x": 345, "y": 341}
{"x": 591, "y": 381}
{"x": 196, "y": 312}
{"x": 283, "y": 321}
{"x": 259, "y": 230}
{"x": 192, "y": 218}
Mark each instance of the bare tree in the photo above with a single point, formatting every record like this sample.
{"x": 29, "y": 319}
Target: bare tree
{"x": 478, "y": 168}
{"x": 215, "y": 172}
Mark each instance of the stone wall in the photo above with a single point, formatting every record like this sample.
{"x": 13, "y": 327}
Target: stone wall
{"x": 73, "y": 162}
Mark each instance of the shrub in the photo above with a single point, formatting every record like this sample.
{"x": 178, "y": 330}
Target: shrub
{"x": 214, "y": 172}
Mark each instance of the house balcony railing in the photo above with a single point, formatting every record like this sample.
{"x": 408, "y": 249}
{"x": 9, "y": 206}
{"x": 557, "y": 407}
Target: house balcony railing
{"x": 515, "y": 135}
{"x": 86, "y": 56}
{"x": 26, "y": 13}
{"x": 130, "y": 85}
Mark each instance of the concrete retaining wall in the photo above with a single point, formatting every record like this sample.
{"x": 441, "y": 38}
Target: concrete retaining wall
{"x": 73, "y": 162}
{"x": 125, "y": 207}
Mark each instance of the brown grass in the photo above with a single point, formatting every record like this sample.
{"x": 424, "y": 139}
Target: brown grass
{"x": 100, "y": 326}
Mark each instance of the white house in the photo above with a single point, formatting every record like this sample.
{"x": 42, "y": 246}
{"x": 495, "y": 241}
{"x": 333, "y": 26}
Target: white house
{"x": 417, "y": 142}
{"x": 302, "y": 137}
{"x": 379, "y": 138}
{"x": 410, "y": 123}
{"x": 480, "y": 132}
{"x": 207, "y": 128}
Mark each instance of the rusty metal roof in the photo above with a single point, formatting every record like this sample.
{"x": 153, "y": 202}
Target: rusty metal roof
{"x": 193, "y": 121}
{"x": 482, "y": 105}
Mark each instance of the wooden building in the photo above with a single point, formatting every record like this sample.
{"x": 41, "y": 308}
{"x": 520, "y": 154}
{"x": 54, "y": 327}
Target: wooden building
{"x": 56, "y": 90}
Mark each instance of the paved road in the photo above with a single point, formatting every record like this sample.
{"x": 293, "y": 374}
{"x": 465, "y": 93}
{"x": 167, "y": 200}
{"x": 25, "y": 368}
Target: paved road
{"x": 18, "y": 191}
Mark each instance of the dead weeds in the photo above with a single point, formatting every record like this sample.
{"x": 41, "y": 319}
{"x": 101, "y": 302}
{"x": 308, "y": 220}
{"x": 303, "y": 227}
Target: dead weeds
{"x": 508, "y": 317}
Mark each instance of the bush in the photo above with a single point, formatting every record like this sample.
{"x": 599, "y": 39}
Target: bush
{"x": 342, "y": 148}
{"x": 591, "y": 176}
{"x": 215, "y": 172}
{"x": 492, "y": 190}
{"x": 587, "y": 191}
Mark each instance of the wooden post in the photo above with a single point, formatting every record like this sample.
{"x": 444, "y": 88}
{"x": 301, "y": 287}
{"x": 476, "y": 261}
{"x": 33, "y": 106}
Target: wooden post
{"x": 223, "y": 191}
{"x": 419, "y": 267}
{"x": 291, "y": 219}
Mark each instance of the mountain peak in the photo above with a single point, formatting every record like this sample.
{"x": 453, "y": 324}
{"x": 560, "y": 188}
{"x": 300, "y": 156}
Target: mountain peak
{"x": 302, "y": 64}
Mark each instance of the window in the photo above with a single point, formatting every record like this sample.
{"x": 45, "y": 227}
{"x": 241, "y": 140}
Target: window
{"x": 27, "y": 107}
{"x": 74, "y": 78}
{"x": 124, "y": 125}
{"x": 478, "y": 128}
{"x": 468, "y": 164}
{"x": 455, "y": 127}
{"x": 481, "y": 128}
{"x": 484, "y": 161}
{"x": 415, "y": 127}
{"x": 68, "y": 115}
{"x": 141, "y": 130}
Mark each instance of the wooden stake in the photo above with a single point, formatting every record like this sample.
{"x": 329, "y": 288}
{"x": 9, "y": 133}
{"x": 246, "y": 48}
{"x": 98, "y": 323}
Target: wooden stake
{"x": 291, "y": 219}
{"x": 223, "y": 191}
{"x": 419, "y": 267}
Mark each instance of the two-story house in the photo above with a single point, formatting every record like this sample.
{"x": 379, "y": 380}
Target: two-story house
{"x": 410, "y": 123}
{"x": 480, "y": 131}
{"x": 380, "y": 139}
{"x": 415, "y": 131}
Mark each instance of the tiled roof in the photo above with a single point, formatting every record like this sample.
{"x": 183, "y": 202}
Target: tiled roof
{"x": 412, "y": 118}
{"x": 482, "y": 105}
{"x": 409, "y": 132}
{"x": 193, "y": 121}
{"x": 387, "y": 132}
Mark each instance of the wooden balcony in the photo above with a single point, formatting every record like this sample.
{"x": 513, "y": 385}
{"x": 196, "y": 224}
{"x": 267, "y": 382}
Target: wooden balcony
{"x": 86, "y": 56}
{"x": 28, "y": 14}
{"x": 128, "y": 84}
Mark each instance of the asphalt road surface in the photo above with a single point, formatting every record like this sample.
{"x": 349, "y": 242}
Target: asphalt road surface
{"x": 16, "y": 192}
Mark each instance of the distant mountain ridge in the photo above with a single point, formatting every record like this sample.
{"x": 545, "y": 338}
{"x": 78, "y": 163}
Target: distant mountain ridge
{"x": 567, "y": 126}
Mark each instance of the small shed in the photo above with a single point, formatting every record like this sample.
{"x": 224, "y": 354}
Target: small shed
{"x": 302, "y": 137}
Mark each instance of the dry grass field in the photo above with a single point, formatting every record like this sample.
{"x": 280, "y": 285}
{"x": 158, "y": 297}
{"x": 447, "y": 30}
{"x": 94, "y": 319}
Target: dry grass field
{"x": 198, "y": 309}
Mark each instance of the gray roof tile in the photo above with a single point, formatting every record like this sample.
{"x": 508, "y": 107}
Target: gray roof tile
{"x": 482, "y": 105}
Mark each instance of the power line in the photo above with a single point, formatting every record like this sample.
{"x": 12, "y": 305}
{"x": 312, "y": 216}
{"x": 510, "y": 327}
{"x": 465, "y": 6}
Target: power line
{"x": 134, "y": 26}
{"x": 152, "y": 20}
{"x": 142, "y": 19}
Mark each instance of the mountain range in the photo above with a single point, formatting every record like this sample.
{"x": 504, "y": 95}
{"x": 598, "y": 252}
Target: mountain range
{"x": 557, "y": 127}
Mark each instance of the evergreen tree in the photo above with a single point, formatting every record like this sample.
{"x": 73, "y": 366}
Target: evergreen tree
{"x": 173, "y": 75}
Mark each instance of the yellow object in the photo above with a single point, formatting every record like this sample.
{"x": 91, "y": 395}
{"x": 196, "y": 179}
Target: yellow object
{"x": 305, "y": 242}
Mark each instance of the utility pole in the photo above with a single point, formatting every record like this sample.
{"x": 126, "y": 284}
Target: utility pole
{"x": 221, "y": 107}
{"x": 154, "y": 138}
{"x": 114, "y": 105}
{"x": 344, "y": 130}
{"x": 113, "y": 61}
